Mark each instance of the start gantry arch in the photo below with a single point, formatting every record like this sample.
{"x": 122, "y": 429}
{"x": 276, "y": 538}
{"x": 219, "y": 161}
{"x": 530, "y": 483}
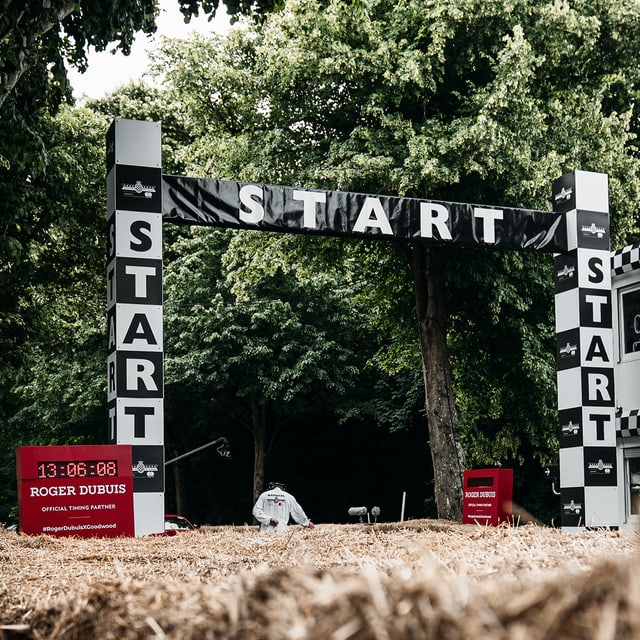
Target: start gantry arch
{"x": 140, "y": 198}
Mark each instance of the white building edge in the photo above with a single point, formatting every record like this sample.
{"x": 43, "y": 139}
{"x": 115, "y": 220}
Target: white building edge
{"x": 625, "y": 280}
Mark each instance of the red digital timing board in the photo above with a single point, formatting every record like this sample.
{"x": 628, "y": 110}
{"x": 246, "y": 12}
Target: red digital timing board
{"x": 75, "y": 490}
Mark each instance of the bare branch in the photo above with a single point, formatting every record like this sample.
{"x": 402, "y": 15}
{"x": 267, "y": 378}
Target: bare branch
{"x": 39, "y": 29}
{"x": 12, "y": 78}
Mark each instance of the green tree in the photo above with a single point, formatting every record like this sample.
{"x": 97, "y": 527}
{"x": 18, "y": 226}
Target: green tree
{"x": 459, "y": 100}
{"x": 43, "y": 35}
{"x": 38, "y": 40}
{"x": 52, "y": 387}
{"x": 52, "y": 318}
{"x": 258, "y": 336}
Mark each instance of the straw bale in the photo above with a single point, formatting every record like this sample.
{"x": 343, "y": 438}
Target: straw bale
{"x": 418, "y": 580}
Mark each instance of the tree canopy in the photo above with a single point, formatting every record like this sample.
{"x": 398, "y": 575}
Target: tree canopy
{"x": 458, "y": 100}
{"x": 260, "y": 337}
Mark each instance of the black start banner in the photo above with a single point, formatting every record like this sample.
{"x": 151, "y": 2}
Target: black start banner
{"x": 224, "y": 203}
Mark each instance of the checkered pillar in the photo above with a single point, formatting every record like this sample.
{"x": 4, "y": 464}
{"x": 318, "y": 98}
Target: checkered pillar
{"x": 134, "y": 311}
{"x": 587, "y": 431}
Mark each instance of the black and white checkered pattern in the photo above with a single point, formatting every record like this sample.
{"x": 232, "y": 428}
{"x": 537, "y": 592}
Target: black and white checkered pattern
{"x": 625, "y": 260}
{"x": 628, "y": 424}
{"x": 585, "y": 356}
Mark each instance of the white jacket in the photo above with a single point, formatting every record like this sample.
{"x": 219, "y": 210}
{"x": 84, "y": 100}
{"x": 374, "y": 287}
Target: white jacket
{"x": 280, "y": 505}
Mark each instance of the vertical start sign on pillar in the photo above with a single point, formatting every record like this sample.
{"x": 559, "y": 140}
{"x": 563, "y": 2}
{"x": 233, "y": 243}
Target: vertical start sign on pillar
{"x": 584, "y": 352}
{"x": 134, "y": 311}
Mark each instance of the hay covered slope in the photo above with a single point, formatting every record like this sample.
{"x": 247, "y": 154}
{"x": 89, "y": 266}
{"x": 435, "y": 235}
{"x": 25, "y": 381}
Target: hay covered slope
{"x": 422, "y": 579}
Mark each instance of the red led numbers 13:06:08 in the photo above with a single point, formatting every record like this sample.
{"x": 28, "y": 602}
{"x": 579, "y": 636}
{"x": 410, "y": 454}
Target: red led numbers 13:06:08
{"x": 78, "y": 469}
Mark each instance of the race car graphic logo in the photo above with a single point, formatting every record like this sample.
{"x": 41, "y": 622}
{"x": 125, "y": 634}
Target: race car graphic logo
{"x": 563, "y": 195}
{"x": 600, "y": 467}
{"x": 592, "y": 230}
{"x": 570, "y": 429}
{"x": 138, "y": 190}
{"x": 566, "y": 272}
{"x": 568, "y": 351}
{"x": 572, "y": 507}
{"x": 141, "y": 468}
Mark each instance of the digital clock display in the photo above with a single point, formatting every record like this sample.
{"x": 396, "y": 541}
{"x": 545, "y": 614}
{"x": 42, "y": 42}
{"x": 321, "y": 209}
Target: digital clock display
{"x": 78, "y": 469}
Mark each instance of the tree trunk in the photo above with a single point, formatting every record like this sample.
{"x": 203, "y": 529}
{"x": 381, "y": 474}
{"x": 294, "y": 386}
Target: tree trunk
{"x": 446, "y": 452}
{"x": 258, "y": 429}
{"x": 178, "y": 481}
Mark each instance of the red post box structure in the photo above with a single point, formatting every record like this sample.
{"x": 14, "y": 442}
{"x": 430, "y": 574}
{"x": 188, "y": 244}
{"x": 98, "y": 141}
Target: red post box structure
{"x": 487, "y": 495}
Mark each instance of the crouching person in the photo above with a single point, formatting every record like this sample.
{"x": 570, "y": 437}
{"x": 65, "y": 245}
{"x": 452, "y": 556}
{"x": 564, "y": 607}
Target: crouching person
{"x": 275, "y": 506}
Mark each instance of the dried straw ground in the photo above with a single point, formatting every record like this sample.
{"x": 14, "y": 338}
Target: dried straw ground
{"x": 416, "y": 580}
